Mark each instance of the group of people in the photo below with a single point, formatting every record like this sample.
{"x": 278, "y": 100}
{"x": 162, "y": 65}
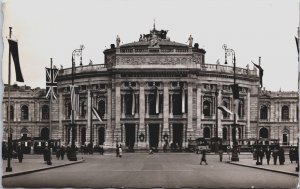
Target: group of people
{"x": 276, "y": 153}
{"x": 60, "y": 152}
{"x": 119, "y": 150}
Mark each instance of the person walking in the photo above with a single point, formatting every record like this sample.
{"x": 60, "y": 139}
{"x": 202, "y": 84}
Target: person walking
{"x": 120, "y": 151}
{"x": 268, "y": 154}
{"x": 221, "y": 154}
{"x": 281, "y": 156}
{"x": 275, "y": 155}
{"x": 20, "y": 153}
{"x": 57, "y": 153}
{"x": 62, "y": 152}
{"x": 291, "y": 154}
{"x": 117, "y": 150}
{"x": 203, "y": 158}
{"x": 261, "y": 155}
{"x": 47, "y": 153}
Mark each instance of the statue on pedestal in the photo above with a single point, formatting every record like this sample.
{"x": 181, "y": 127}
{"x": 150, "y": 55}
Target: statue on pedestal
{"x": 118, "y": 40}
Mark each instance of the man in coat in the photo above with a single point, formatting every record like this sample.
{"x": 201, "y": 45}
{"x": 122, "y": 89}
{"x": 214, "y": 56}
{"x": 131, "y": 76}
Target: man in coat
{"x": 281, "y": 156}
{"x": 20, "y": 153}
{"x": 47, "y": 155}
{"x": 268, "y": 154}
{"x": 275, "y": 155}
{"x": 203, "y": 158}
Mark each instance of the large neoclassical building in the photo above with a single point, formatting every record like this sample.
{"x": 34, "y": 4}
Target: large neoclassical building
{"x": 153, "y": 90}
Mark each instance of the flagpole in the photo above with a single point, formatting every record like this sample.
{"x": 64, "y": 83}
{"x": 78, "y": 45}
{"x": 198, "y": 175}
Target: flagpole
{"x": 9, "y": 168}
{"x": 91, "y": 129}
{"x": 51, "y": 95}
{"x": 258, "y": 108}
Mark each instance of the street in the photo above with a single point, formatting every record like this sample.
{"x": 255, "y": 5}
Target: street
{"x": 141, "y": 170}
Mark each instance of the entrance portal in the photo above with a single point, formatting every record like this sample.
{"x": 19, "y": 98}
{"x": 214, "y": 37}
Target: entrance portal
{"x": 130, "y": 135}
{"x": 153, "y": 135}
{"x": 177, "y": 134}
{"x": 101, "y": 135}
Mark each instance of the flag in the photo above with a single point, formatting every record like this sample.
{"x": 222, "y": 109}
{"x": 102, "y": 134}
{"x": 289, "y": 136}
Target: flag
{"x": 183, "y": 100}
{"x": 96, "y": 114}
{"x": 51, "y": 83}
{"x": 224, "y": 109}
{"x": 156, "y": 101}
{"x": 261, "y": 73}
{"x": 235, "y": 91}
{"x": 236, "y": 108}
{"x": 133, "y": 101}
{"x": 74, "y": 98}
{"x": 297, "y": 44}
{"x": 13, "y": 50}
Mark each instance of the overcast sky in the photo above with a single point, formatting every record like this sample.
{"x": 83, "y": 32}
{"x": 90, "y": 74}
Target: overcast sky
{"x": 253, "y": 28}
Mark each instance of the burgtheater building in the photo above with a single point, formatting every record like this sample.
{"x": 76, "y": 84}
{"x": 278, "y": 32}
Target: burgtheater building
{"x": 151, "y": 91}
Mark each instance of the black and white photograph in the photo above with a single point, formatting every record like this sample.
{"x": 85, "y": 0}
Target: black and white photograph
{"x": 150, "y": 94}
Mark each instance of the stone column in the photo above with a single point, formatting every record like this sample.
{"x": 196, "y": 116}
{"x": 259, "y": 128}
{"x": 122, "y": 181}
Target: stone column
{"x": 95, "y": 135}
{"x": 108, "y": 131}
{"x": 199, "y": 110}
{"x": 18, "y": 114}
{"x": 117, "y": 110}
{"x": 60, "y": 117}
{"x": 89, "y": 114}
{"x": 77, "y": 138}
{"x": 142, "y": 114}
{"x": 171, "y": 133}
{"x": 160, "y": 143}
{"x": 248, "y": 131}
{"x": 123, "y": 134}
{"x": 171, "y": 105}
{"x": 147, "y": 135}
{"x": 190, "y": 109}
{"x": 166, "y": 108}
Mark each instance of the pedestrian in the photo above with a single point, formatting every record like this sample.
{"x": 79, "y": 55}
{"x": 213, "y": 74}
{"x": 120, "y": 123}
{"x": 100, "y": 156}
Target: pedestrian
{"x": 62, "y": 152}
{"x": 221, "y": 154}
{"x": 47, "y": 153}
{"x": 281, "y": 156}
{"x": 261, "y": 155}
{"x": 57, "y": 153}
{"x": 268, "y": 154}
{"x": 117, "y": 150}
{"x": 20, "y": 152}
{"x": 4, "y": 151}
{"x": 120, "y": 151}
{"x": 291, "y": 154}
{"x": 275, "y": 155}
{"x": 203, "y": 158}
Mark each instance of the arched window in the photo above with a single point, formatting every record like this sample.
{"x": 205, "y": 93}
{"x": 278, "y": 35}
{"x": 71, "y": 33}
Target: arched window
{"x": 241, "y": 111}
{"x": 45, "y": 133}
{"x": 264, "y": 112}
{"x": 207, "y": 108}
{"x": 11, "y": 112}
{"x": 24, "y": 112}
{"x": 45, "y": 112}
{"x": 101, "y": 108}
{"x": 206, "y": 132}
{"x": 263, "y": 133}
{"x": 82, "y": 109}
{"x": 224, "y": 133}
{"x": 285, "y": 112}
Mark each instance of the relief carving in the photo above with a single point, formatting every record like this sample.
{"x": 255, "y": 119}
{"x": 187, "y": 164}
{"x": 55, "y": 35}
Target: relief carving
{"x": 161, "y": 60}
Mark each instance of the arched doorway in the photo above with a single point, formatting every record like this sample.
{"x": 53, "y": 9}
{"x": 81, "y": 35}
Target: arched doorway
{"x": 206, "y": 132}
{"x": 130, "y": 135}
{"x": 285, "y": 137}
{"x": 83, "y": 135}
{"x": 45, "y": 133}
{"x": 178, "y": 134}
{"x": 153, "y": 135}
{"x": 263, "y": 133}
{"x": 101, "y": 135}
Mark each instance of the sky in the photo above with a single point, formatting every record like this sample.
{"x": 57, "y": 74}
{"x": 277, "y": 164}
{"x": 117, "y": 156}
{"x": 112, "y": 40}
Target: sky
{"x": 252, "y": 28}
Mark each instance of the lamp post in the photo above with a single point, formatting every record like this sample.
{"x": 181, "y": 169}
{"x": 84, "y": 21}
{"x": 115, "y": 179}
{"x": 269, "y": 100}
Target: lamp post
{"x": 76, "y": 52}
{"x": 231, "y": 52}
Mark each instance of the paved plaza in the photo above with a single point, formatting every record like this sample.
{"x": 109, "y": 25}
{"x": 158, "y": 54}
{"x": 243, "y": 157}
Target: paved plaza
{"x": 141, "y": 170}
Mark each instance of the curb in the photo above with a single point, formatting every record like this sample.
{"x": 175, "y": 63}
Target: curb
{"x": 261, "y": 168}
{"x": 40, "y": 169}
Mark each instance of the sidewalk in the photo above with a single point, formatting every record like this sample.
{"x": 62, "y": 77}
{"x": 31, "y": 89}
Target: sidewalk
{"x": 34, "y": 163}
{"x": 287, "y": 168}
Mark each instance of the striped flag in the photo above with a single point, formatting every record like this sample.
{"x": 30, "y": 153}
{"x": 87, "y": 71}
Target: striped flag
{"x": 156, "y": 101}
{"x": 183, "y": 99}
{"x": 13, "y": 50}
{"x": 51, "y": 83}
{"x": 96, "y": 114}
{"x": 74, "y": 98}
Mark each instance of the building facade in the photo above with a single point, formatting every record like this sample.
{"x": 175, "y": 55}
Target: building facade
{"x": 156, "y": 90}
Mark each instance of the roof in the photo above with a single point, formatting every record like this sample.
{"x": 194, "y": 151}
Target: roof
{"x": 161, "y": 43}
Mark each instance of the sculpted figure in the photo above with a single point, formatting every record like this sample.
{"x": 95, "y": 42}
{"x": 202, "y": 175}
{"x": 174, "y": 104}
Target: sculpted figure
{"x": 118, "y": 40}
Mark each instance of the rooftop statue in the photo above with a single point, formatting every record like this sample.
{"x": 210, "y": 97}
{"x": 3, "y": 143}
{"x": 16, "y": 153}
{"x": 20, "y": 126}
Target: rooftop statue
{"x": 190, "y": 40}
{"x": 118, "y": 40}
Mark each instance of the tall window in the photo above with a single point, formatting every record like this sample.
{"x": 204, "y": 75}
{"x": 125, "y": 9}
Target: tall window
{"x": 264, "y": 112}
{"x": 11, "y": 112}
{"x": 206, "y": 132}
{"x": 82, "y": 109}
{"x": 285, "y": 112}
{"x": 207, "y": 108}
{"x": 24, "y": 112}
{"x": 45, "y": 112}
{"x": 241, "y": 112}
{"x": 68, "y": 109}
{"x": 101, "y": 108}
{"x": 224, "y": 133}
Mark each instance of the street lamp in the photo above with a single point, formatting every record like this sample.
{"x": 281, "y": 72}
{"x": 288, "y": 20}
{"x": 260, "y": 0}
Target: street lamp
{"x": 76, "y": 52}
{"x": 231, "y": 52}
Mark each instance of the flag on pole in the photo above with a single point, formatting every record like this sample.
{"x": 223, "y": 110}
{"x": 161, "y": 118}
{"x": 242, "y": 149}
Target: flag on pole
{"x": 183, "y": 99}
{"x": 156, "y": 101}
{"x": 13, "y": 50}
{"x": 51, "y": 83}
{"x": 74, "y": 98}
{"x": 261, "y": 73}
{"x": 224, "y": 109}
{"x": 297, "y": 44}
{"x": 95, "y": 112}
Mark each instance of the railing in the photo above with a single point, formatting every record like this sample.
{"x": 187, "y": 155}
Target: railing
{"x": 146, "y": 50}
{"x": 227, "y": 69}
{"x": 87, "y": 68}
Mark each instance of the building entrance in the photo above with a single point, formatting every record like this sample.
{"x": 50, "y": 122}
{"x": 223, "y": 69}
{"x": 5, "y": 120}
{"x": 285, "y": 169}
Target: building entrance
{"x": 153, "y": 135}
{"x": 130, "y": 135}
{"x": 178, "y": 134}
